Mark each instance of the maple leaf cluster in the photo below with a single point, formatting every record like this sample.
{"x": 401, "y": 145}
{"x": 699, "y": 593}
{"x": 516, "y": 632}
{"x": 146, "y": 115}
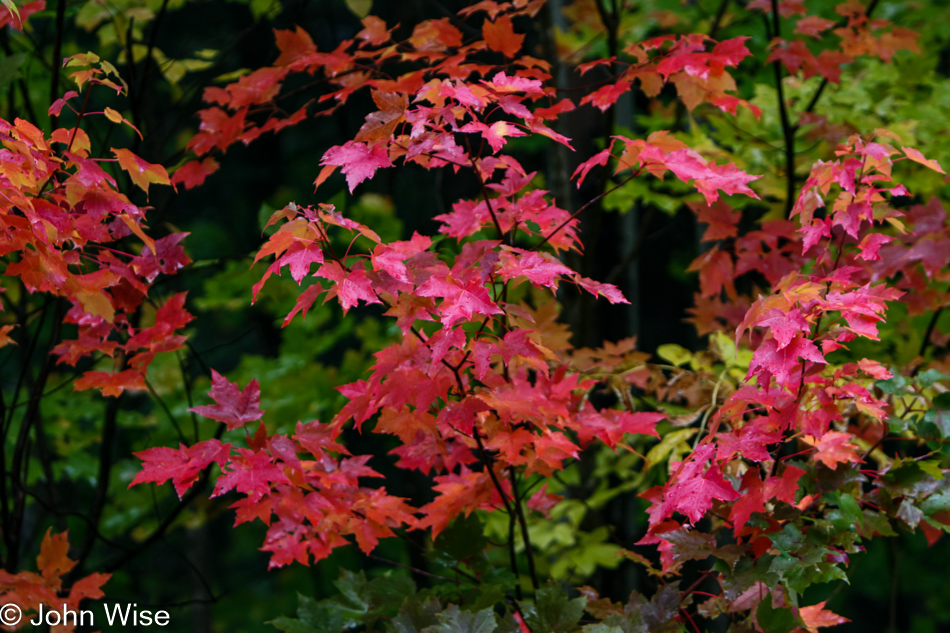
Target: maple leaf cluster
{"x": 791, "y": 389}
{"x": 28, "y": 590}
{"x": 859, "y": 35}
{"x": 485, "y": 395}
{"x": 471, "y": 396}
{"x": 61, "y": 212}
{"x": 70, "y": 233}
{"x": 660, "y": 153}
{"x": 699, "y": 75}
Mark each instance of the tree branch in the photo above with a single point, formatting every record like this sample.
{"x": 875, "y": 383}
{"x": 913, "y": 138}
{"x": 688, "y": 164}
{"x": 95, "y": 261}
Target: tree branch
{"x": 788, "y": 130}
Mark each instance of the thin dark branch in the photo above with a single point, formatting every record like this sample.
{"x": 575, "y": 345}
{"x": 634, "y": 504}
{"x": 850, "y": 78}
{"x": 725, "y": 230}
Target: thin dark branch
{"x": 46, "y": 463}
{"x": 487, "y": 461}
{"x": 109, "y": 423}
{"x": 634, "y": 253}
{"x": 57, "y": 62}
{"x": 717, "y": 21}
{"x": 929, "y": 331}
{"x": 788, "y": 130}
{"x": 504, "y": 237}
{"x": 516, "y": 501}
{"x": 574, "y": 215}
{"x": 147, "y": 62}
{"x": 186, "y": 382}
{"x": 25, "y": 360}
{"x": 512, "y": 553}
{"x": 194, "y": 568}
{"x": 58, "y": 511}
{"x": 164, "y": 407}
{"x": 414, "y": 570}
{"x": 20, "y": 463}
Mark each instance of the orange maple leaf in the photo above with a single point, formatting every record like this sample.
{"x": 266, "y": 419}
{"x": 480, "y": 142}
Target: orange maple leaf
{"x": 500, "y": 36}
{"x": 817, "y": 617}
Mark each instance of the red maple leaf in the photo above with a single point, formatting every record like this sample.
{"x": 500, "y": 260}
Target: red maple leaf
{"x": 319, "y": 438}
{"x": 166, "y": 258}
{"x": 251, "y": 473}
{"x": 111, "y": 384}
{"x": 374, "y": 31}
{"x": 716, "y": 271}
{"x": 721, "y": 219}
{"x": 293, "y": 45}
{"x": 392, "y": 257}
{"x": 553, "y": 448}
{"x": 871, "y": 244}
{"x": 459, "y": 493}
{"x": 692, "y": 497}
{"x": 813, "y": 25}
{"x": 781, "y": 363}
{"x": 141, "y": 172}
{"x": 28, "y": 589}
{"x": 751, "y": 500}
{"x": 606, "y": 96}
{"x": 505, "y": 84}
{"x": 304, "y": 302}
{"x": 692, "y": 490}
{"x": 53, "y": 559}
{"x": 784, "y": 488}
{"x": 181, "y": 465}
{"x": 918, "y": 157}
{"x": 609, "y": 292}
{"x": 435, "y": 35}
{"x": 299, "y": 256}
{"x": 610, "y": 426}
{"x": 784, "y": 326}
{"x": 88, "y": 587}
{"x": 195, "y": 172}
{"x": 751, "y": 441}
{"x": 233, "y": 406}
{"x": 541, "y": 269}
{"x": 26, "y": 10}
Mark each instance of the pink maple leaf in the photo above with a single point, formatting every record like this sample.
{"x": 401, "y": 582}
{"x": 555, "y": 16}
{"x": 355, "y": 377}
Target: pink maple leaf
{"x": 358, "y": 160}
{"x": 351, "y": 285}
{"x": 459, "y": 301}
{"x": 233, "y": 406}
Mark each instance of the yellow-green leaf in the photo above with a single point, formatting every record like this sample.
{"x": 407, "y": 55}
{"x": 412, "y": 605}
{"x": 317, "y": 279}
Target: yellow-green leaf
{"x": 360, "y": 7}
